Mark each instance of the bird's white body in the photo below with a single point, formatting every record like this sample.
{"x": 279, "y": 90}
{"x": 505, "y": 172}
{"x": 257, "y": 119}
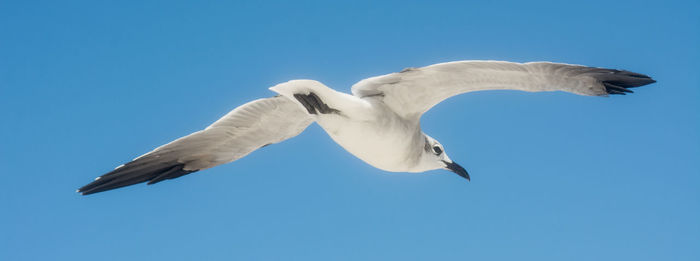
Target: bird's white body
{"x": 379, "y": 123}
{"x": 366, "y": 128}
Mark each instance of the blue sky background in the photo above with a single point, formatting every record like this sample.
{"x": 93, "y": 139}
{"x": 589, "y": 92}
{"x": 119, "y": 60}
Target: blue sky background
{"x": 88, "y": 85}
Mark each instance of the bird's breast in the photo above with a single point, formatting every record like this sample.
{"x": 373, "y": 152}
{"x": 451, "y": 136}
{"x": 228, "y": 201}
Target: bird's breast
{"x": 386, "y": 142}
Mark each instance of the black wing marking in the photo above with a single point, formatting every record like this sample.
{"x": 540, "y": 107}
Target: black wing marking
{"x": 137, "y": 171}
{"x": 314, "y": 104}
{"x": 618, "y": 81}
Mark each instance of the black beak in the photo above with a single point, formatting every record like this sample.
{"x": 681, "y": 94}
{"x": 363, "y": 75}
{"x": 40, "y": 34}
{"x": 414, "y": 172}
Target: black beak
{"x": 456, "y": 168}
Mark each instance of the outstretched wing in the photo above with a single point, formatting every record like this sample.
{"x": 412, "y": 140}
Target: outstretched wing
{"x": 243, "y": 130}
{"x": 414, "y": 91}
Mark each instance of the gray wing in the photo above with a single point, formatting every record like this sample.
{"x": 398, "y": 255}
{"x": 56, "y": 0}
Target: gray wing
{"x": 414, "y": 91}
{"x": 240, "y": 132}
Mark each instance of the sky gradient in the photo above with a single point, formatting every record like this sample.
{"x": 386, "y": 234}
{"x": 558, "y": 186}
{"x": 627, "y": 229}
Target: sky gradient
{"x": 88, "y": 85}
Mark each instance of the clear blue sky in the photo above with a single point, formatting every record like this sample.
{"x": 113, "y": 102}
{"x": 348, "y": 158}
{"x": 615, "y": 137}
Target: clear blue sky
{"x": 88, "y": 85}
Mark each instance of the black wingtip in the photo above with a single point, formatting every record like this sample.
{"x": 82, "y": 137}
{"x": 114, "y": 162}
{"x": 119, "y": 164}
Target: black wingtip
{"x": 174, "y": 172}
{"x": 133, "y": 173}
{"x": 619, "y": 81}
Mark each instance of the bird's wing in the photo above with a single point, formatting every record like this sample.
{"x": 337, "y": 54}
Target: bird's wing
{"x": 414, "y": 91}
{"x": 250, "y": 126}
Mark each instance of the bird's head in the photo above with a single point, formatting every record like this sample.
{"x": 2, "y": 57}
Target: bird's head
{"x": 434, "y": 156}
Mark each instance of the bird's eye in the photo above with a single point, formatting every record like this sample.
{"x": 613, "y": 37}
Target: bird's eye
{"x": 437, "y": 150}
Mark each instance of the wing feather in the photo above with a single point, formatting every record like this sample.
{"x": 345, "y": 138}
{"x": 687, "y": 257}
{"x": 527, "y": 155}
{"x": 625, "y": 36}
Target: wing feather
{"x": 243, "y": 130}
{"x": 414, "y": 91}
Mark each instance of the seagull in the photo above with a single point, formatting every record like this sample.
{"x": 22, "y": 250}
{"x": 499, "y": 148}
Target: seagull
{"x": 379, "y": 122}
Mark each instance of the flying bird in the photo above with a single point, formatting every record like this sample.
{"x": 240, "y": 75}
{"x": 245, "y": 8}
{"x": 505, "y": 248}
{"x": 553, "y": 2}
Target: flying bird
{"x": 378, "y": 123}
